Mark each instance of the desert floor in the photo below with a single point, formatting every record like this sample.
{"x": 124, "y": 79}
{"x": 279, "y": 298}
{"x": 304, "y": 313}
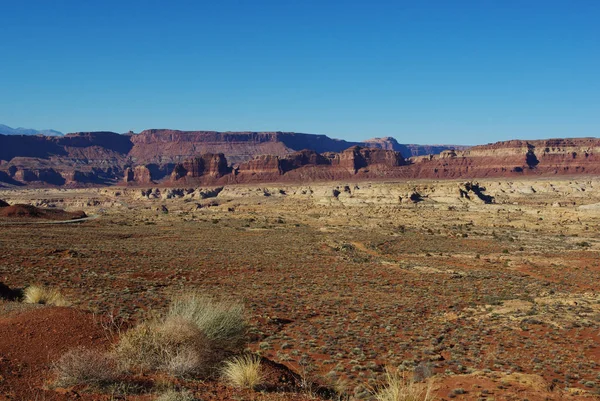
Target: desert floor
{"x": 341, "y": 280}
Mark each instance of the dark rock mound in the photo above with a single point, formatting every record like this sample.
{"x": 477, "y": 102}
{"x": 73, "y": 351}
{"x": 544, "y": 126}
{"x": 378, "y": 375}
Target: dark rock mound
{"x": 3, "y": 204}
{"x": 30, "y": 211}
{"x": 8, "y": 293}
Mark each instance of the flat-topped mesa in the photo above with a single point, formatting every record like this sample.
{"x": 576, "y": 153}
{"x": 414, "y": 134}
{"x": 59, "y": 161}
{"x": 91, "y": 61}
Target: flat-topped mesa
{"x": 357, "y": 158}
{"x": 569, "y": 156}
{"x": 172, "y": 146}
{"x": 513, "y": 158}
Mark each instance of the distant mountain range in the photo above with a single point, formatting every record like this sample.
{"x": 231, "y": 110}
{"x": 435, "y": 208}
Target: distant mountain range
{"x": 172, "y": 157}
{"x": 6, "y": 130}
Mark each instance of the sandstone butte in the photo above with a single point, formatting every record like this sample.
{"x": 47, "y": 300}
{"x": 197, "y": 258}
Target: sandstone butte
{"x": 170, "y": 157}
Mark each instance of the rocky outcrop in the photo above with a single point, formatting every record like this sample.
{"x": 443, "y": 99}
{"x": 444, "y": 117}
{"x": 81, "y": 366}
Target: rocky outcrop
{"x": 138, "y": 175}
{"x": 208, "y": 166}
{"x": 473, "y": 191}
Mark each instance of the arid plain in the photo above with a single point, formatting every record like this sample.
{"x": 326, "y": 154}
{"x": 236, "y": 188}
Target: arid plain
{"x": 490, "y": 287}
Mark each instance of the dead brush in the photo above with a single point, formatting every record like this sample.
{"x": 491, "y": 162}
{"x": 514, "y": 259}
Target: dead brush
{"x": 113, "y": 325}
{"x": 37, "y": 294}
{"x": 85, "y": 366}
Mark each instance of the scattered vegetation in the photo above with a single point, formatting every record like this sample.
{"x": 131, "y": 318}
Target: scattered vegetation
{"x": 243, "y": 371}
{"x": 36, "y": 294}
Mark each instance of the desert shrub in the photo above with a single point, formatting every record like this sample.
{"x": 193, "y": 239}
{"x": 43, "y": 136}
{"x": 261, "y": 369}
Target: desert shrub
{"x": 243, "y": 371}
{"x": 222, "y": 321}
{"x": 398, "y": 387}
{"x": 85, "y": 366}
{"x": 36, "y": 294}
{"x": 174, "y": 345}
{"x": 174, "y": 395}
{"x": 178, "y": 343}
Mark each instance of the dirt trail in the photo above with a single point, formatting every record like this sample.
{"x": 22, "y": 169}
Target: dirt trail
{"x": 361, "y": 247}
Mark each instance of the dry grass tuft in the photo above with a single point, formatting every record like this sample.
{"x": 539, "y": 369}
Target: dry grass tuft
{"x": 36, "y": 294}
{"x": 173, "y": 395}
{"x": 222, "y": 321}
{"x": 398, "y": 387}
{"x": 243, "y": 371}
{"x": 85, "y": 366}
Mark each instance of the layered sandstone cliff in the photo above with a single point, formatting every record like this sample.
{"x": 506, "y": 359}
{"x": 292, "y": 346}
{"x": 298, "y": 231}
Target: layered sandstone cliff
{"x": 168, "y": 156}
{"x": 102, "y": 158}
{"x": 578, "y": 156}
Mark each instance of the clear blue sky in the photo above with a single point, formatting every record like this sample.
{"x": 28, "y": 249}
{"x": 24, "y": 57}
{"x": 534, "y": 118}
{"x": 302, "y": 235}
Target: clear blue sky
{"x": 448, "y": 71}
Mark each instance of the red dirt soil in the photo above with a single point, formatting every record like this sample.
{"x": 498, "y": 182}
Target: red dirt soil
{"x": 31, "y": 339}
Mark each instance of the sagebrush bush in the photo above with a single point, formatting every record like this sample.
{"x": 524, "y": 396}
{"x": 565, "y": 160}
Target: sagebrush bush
{"x": 222, "y": 321}
{"x": 35, "y": 294}
{"x": 85, "y": 366}
{"x": 243, "y": 371}
{"x": 398, "y": 387}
